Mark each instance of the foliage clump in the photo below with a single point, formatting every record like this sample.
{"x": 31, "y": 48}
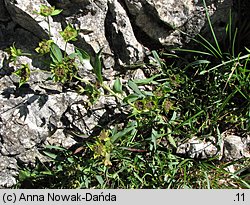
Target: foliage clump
{"x": 202, "y": 96}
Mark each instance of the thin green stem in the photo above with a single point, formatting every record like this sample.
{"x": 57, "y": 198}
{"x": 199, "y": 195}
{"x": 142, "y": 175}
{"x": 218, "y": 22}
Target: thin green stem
{"x": 107, "y": 88}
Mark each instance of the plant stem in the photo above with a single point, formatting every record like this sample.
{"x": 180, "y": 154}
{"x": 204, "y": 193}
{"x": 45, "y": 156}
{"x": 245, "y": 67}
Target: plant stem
{"x": 49, "y": 26}
{"x": 65, "y": 53}
{"x": 105, "y": 87}
{"x": 111, "y": 91}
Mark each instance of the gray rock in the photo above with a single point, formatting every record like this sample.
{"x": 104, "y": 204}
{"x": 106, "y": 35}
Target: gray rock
{"x": 235, "y": 147}
{"x": 8, "y": 171}
{"x": 231, "y": 147}
{"x": 164, "y": 21}
{"x": 198, "y": 149}
{"x": 121, "y": 36}
{"x": 22, "y": 12}
{"x": 39, "y": 114}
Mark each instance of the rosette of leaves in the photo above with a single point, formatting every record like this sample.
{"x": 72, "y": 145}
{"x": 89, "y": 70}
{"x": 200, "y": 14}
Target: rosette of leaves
{"x": 15, "y": 53}
{"x": 44, "y": 47}
{"x": 146, "y": 104}
{"x": 103, "y": 147}
{"x": 69, "y": 33}
{"x": 24, "y": 73}
{"x": 49, "y": 11}
{"x": 63, "y": 69}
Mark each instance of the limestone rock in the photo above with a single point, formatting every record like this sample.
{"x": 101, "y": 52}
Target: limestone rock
{"x": 92, "y": 20}
{"x": 8, "y": 170}
{"x": 165, "y": 21}
{"x": 235, "y": 146}
{"x": 232, "y": 147}
{"x": 197, "y": 149}
{"x": 120, "y": 34}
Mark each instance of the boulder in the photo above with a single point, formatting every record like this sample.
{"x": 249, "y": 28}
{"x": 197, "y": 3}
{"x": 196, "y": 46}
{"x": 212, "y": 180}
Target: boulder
{"x": 165, "y": 21}
{"x": 232, "y": 146}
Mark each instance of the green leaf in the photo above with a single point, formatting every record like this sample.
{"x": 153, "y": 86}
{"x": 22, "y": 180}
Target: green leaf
{"x": 218, "y": 50}
{"x": 84, "y": 58}
{"x": 157, "y": 58}
{"x": 55, "y": 147}
{"x": 122, "y": 133}
{"x": 131, "y": 98}
{"x": 100, "y": 179}
{"x": 83, "y": 55}
{"x": 117, "y": 88}
{"x": 56, "y": 12}
{"x": 135, "y": 88}
{"x": 192, "y": 51}
{"x": 147, "y": 80}
{"x": 56, "y": 54}
{"x": 171, "y": 139}
{"x": 198, "y": 62}
{"x": 72, "y": 55}
{"x": 98, "y": 67}
{"x": 49, "y": 154}
{"x": 23, "y": 73}
{"x": 23, "y": 175}
{"x": 154, "y": 136}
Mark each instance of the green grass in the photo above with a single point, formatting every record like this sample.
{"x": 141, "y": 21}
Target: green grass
{"x": 142, "y": 154}
{"x": 201, "y": 95}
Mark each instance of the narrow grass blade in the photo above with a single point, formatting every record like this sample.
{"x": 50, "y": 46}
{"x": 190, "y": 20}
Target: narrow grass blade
{"x": 223, "y": 64}
{"x": 192, "y": 51}
{"x": 212, "y": 30}
{"x": 147, "y": 80}
{"x": 190, "y": 119}
{"x": 49, "y": 154}
{"x": 157, "y": 58}
{"x": 121, "y": 133}
{"x": 55, "y": 147}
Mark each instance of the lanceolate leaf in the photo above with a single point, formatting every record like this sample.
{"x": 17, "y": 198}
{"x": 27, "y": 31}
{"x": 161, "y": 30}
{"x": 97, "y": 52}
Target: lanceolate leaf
{"x": 117, "y": 88}
{"x": 56, "y": 12}
{"x": 157, "y": 58}
{"x": 83, "y": 55}
{"x": 122, "y": 133}
{"x": 147, "y": 80}
{"x": 98, "y": 67}
{"x": 56, "y": 54}
{"x": 171, "y": 139}
{"x": 134, "y": 87}
{"x": 49, "y": 154}
{"x": 84, "y": 58}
